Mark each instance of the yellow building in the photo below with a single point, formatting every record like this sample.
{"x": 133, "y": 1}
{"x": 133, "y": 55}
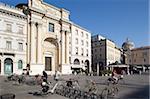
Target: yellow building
{"x": 104, "y": 52}
{"x": 140, "y": 56}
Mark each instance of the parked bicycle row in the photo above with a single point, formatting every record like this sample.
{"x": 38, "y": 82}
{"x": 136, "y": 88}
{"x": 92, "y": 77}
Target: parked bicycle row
{"x": 70, "y": 88}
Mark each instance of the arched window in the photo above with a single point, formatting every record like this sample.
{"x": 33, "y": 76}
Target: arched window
{"x": 76, "y": 61}
{"x": 20, "y": 64}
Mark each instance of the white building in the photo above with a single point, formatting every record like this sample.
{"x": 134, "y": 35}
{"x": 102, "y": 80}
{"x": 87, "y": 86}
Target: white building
{"x": 37, "y": 35}
{"x": 13, "y": 29}
{"x": 80, "y": 48}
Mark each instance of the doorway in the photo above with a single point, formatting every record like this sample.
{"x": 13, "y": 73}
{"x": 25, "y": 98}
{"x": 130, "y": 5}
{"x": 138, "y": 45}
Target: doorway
{"x": 48, "y": 63}
{"x": 8, "y": 66}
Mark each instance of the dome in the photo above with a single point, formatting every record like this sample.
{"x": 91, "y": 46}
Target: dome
{"x": 127, "y": 45}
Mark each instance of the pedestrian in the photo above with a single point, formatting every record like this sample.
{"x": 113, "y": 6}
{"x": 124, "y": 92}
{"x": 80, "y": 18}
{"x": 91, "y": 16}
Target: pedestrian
{"x": 56, "y": 76}
{"x": 28, "y": 69}
{"x": 115, "y": 76}
{"x": 45, "y": 76}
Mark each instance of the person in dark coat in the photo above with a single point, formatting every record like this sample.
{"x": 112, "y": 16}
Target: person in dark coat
{"x": 45, "y": 75}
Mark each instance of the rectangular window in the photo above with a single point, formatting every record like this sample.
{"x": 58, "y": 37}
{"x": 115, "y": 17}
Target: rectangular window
{"x": 87, "y": 36}
{"x": 87, "y": 52}
{"x": 69, "y": 40}
{"x": 69, "y": 50}
{"x": 82, "y": 51}
{"x": 20, "y": 64}
{"x": 87, "y": 44}
{"x": 76, "y": 50}
{"x": 70, "y": 60}
{"x": 76, "y": 32}
{"x": 20, "y": 46}
{"x": 20, "y": 30}
{"x": 82, "y": 42}
{"x": 8, "y": 45}
{"x": 76, "y": 41}
{"x": 8, "y": 27}
{"x": 51, "y": 27}
{"x": 82, "y": 34}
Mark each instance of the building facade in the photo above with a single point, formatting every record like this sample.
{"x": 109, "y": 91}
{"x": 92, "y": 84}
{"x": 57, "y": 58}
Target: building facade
{"x": 80, "y": 48}
{"x": 140, "y": 56}
{"x": 13, "y": 40}
{"x": 48, "y": 38}
{"x": 43, "y": 41}
{"x": 104, "y": 52}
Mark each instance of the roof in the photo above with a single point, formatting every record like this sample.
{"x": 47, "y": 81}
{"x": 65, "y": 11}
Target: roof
{"x": 141, "y": 48}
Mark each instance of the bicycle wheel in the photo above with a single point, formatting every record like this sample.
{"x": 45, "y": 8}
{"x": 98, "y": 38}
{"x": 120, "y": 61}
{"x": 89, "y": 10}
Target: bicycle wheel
{"x": 114, "y": 90}
{"x": 121, "y": 81}
{"x": 105, "y": 93}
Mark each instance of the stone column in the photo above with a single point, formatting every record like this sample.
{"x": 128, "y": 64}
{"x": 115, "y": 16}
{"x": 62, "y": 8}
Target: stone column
{"x": 62, "y": 47}
{"x": 128, "y": 73}
{"x": 90, "y": 68}
{"x": 33, "y": 43}
{"x": 143, "y": 68}
{"x": 39, "y": 44}
{"x": 67, "y": 47}
{"x": 2, "y": 66}
{"x": 97, "y": 69}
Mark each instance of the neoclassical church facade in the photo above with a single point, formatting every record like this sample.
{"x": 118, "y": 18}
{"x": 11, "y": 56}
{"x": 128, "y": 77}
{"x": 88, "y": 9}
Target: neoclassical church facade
{"x": 42, "y": 33}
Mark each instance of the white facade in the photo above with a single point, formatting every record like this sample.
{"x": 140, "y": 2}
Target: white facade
{"x": 80, "y": 48}
{"x": 41, "y": 38}
{"x": 13, "y": 26}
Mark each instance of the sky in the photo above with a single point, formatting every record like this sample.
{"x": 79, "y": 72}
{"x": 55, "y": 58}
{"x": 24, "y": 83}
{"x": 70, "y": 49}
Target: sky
{"x": 114, "y": 19}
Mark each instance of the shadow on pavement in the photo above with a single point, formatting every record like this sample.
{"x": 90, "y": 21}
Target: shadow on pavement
{"x": 143, "y": 93}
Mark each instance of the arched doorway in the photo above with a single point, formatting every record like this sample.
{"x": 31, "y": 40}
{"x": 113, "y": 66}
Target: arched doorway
{"x": 51, "y": 54}
{"x": 87, "y": 65}
{"x": 8, "y": 66}
{"x": 76, "y": 62}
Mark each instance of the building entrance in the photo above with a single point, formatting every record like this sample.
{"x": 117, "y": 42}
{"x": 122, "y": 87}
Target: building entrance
{"x": 8, "y": 66}
{"x": 48, "y": 63}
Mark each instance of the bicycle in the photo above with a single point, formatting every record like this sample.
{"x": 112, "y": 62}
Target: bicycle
{"x": 46, "y": 89}
{"x": 109, "y": 90}
{"x": 16, "y": 79}
{"x": 91, "y": 86}
{"x": 120, "y": 80}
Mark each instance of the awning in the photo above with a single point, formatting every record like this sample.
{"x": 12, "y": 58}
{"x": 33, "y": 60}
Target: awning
{"x": 118, "y": 66}
{"x": 77, "y": 66}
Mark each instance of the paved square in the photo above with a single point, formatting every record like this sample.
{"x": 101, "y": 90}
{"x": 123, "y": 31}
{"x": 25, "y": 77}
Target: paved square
{"x": 136, "y": 87}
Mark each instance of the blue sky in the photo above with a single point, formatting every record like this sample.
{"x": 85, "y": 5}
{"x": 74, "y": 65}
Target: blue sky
{"x": 113, "y": 19}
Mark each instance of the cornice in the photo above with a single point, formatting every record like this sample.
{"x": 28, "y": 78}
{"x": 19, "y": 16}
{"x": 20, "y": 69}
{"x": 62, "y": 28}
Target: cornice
{"x": 9, "y": 13}
{"x": 50, "y": 17}
{"x": 80, "y": 27}
{"x": 13, "y": 35}
{"x": 9, "y": 6}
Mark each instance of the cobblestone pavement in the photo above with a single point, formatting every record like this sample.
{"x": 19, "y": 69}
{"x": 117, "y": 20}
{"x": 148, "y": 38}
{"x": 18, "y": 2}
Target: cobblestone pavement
{"x": 135, "y": 87}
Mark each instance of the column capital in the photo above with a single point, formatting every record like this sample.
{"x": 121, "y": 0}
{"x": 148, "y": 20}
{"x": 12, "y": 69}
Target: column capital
{"x": 65, "y": 31}
{"x": 32, "y": 22}
{"x": 35, "y": 23}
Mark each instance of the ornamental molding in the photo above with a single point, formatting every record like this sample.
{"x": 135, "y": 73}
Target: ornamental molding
{"x": 20, "y": 40}
{"x": 12, "y": 14}
{"x": 8, "y": 38}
